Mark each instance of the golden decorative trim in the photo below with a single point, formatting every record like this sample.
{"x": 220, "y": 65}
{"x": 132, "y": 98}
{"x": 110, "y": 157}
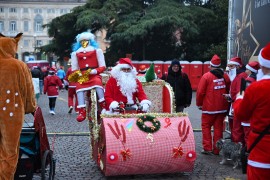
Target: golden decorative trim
{"x": 163, "y": 115}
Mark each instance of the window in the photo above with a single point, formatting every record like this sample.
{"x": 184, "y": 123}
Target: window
{"x": 12, "y": 26}
{"x": 63, "y": 11}
{"x": 25, "y": 25}
{"x": 38, "y": 27}
{"x": 25, "y": 10}
{"x": 2, "y": 10}
{"x": 38, "y": 11}
{"x": 38, "y": 21}
{"x": 26, "y": 43}
{"x": 12, "y": 10}
{"x": 49, "y": 11}
{"x": 1, "y": 26}
{"x": 39, "y": 43}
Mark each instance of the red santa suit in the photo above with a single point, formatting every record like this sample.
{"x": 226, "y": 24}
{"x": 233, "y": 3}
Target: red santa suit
{"x": 113, "y": 93}
{"x": 255, "y": 107}
{"x": 237, "y": 129}
{"x": 71, "y": 91}
{"x": 85, "y": 58}
{"x": 116, "y": 90}
{"x": 52, "y": 83}
{"x": 210, "y": 99}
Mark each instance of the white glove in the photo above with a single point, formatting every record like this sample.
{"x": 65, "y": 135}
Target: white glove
{"x": 114, "y": 105}
{"x": 93, "y": 71}
{"x": 145, "y": 107}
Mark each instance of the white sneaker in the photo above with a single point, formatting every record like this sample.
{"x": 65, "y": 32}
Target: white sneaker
{"x": 53, "y": 113}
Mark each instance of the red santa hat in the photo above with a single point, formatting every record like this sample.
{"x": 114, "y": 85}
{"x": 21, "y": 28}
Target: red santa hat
{"x": 125, "y": 63}
{"x": 52, "y": 69}
{"x": 253, "y": 66}
{"x": 236, "y": 61}
{"x": 215, "y": 61}
{"x": 264, "y": 56}
{"x": 142, "y": 69}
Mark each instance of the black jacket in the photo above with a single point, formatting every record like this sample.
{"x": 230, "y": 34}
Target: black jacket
{"x": 181, "y": 86}
{"x": 36, "y": 73}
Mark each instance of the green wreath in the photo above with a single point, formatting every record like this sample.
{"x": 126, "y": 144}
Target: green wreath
{"x": 155, "y": 124}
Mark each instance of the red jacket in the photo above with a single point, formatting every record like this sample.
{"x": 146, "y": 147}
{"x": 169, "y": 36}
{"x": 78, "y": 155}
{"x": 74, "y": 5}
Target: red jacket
{"x": 210, "y": 93}
{"x": 236, "y": 84}
{"x": 113, "y": 93}
{"x": 255, "y": 107}
{"x": 51, "y": 85}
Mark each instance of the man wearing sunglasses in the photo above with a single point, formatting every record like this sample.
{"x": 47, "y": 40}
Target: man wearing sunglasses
{"x": 123, "y": 86}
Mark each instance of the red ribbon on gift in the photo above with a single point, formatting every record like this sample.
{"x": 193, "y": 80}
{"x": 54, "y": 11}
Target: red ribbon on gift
{"x": 125, "y": 154}
{"x": 178, "y": 152}
{"x": 168, "y": 122}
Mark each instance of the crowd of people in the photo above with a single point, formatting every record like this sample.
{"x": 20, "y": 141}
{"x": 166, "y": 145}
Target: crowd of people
{"x": 241, "y": 93}
{"x": 218, "y": 95}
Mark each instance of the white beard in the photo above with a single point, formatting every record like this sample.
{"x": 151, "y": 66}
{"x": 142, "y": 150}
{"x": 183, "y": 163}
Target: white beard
{"x": 128, "y": 85}
{"x": 232, "y": 74}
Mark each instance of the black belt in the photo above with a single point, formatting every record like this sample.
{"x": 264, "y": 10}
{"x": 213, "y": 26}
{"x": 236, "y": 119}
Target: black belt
{"x": 129, "y": 105}
{"x": 86, "y": 68}
{"x": 260, "y": 132}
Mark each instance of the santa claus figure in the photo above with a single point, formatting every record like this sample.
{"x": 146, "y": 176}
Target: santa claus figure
{"x": 124, "y": 87}
{"x": 87, "y": 62}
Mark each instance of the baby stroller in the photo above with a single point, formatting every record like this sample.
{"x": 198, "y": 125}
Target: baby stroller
{"x": 35, "y": 154}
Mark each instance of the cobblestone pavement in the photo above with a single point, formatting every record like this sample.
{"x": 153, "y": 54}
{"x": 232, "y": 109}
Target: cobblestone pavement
{"x": 71, "y": 148}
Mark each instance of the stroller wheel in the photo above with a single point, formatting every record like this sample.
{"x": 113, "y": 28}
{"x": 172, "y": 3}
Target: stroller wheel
{"x": 47, "y": 166}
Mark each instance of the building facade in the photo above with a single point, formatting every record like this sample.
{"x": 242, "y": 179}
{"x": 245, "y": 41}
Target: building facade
{"x": 28, "y": 17}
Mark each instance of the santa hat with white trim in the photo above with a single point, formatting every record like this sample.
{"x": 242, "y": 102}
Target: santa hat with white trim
{"x": 215, "y": 61}
{"x": 236, "y": 61}
{"x": 125, "y": 63}
{"x": 253, "y": 66}
{"x": 264, "y": 56}
{"x": 85, "y": 36}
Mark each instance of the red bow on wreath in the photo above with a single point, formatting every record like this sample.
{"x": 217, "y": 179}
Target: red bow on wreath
{"x": 126, "y": 154}
{"x": 177, "y": 151}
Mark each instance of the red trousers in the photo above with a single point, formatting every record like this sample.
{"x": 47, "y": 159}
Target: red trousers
{"x": 254, "y": 173}
{"x": 237, "y": 132}
{"x": 71, "y": 95}
{"x": 208, "y": 121}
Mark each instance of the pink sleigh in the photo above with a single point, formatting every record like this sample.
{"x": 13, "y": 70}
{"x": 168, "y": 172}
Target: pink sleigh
{"x": 156, "y": 142}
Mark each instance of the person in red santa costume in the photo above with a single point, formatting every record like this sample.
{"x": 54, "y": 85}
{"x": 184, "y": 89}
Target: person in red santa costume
{"x": 254, "y": 105}
{"x": 52, "y": 84}
{"x": 210, "y": 100}
{"x": 251, "y": 69}
{"x": 71, "y": 91}
{"x": 123, "y": 86}
{"x": 87, "y": 60}
{"x": 236, "y": 73}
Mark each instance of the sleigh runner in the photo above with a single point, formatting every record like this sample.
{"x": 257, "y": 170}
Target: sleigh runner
{"x": 144, "y": 143}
